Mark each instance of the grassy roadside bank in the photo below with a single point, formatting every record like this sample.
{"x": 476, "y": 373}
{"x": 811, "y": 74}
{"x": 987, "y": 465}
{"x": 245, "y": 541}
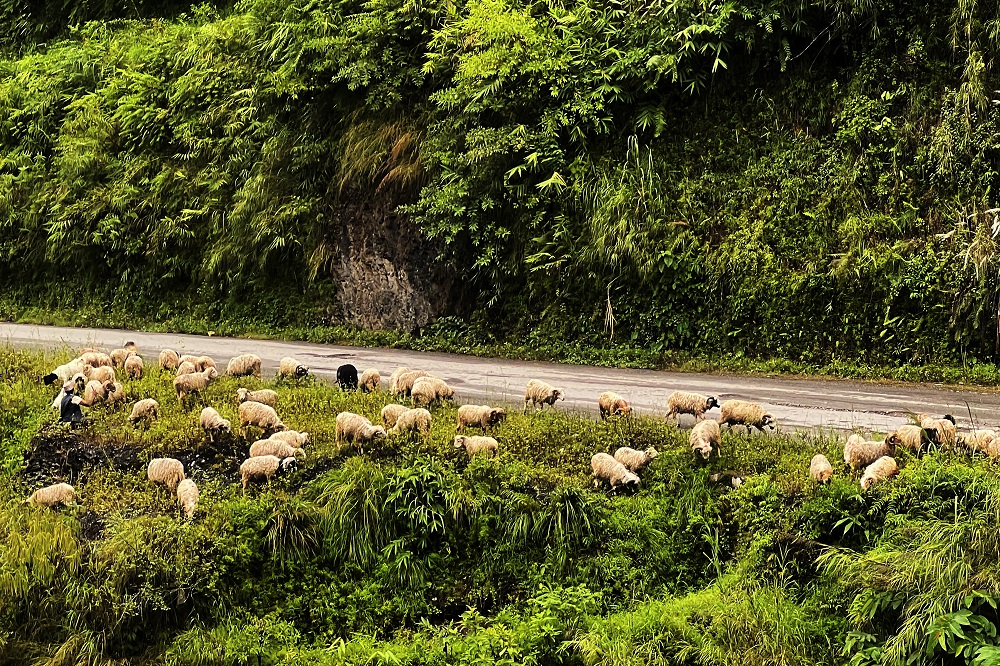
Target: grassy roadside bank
{"x": 451, "y": 336}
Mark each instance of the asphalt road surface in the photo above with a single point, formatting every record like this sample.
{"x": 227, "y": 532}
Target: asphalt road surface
{"x": 796, "y": 403}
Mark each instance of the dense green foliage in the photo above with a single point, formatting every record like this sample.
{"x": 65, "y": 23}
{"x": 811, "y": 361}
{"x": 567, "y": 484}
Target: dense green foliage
{"x": 802, "y": 180}
{"x": 413, "y": 554}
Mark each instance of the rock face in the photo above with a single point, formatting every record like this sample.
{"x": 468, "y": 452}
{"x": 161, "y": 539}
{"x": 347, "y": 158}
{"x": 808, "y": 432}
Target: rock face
{"x": 389, "y": 277}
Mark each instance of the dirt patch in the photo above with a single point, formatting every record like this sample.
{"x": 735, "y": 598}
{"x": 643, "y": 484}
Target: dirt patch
{"x": 57, "y": 454}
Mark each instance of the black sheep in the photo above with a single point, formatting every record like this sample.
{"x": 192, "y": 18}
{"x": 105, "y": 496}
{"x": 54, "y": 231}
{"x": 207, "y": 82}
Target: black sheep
{"x": 347, "y": 377}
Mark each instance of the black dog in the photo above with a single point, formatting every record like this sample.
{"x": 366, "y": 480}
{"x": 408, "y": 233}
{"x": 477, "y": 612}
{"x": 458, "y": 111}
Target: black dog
{"x": 347, "y": 377}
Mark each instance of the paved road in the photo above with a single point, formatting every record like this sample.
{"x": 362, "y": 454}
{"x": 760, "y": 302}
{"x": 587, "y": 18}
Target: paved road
{"x": 795, "y": 403}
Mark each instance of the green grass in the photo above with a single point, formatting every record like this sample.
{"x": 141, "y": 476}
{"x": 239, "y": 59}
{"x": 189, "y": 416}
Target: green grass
{"x": 414, "y": 554}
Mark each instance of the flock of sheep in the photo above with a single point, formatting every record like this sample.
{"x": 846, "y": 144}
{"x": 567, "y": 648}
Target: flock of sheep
{"x": 94, "y": 374}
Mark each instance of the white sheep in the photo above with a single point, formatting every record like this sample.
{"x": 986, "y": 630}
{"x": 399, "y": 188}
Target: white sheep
{"x": 977, "y": 440}
{"x": 859, "y": 452}
{"x": 213, "y": 424}
{"x": 883, "y": 468}
{"x": 274, "y": 447}
{"x": 289, "y": 368}
{"x": 134, "y": 367}
{"x": 101, "y": 374}
{"x": 820, "y": 468}
{"x": 54, "y": 495}
{"x": 538, "y": 394}
{"x": 479, "y": 416}
{"x": 168, "y": 471}
{"x": 705, "y": 438}
{"x": 686, "y": 402}
{"x": 605, "y": 468}
{"x": 260, "y": 416}
{"x": 193, "y": 383}
{"x": 96, "y": 359}
{"x": 912, "y": 437}
{"x": 413, "y": 420}
{"x": 945, "y": 427}
{"x": 94, "y": 392}
{"x": 205, "y": 362}
{"x": 147, "y": 410}
{"x": 264, "y": 468}
{"x": 263, "y": 396}
{"x": 612, "y": 404}
{"x": 404, "y": 383}
{"x": 370, "y": 381}
{"x": 749, "y": 414}
{"x": 292, "y": 438}
{"x": 357, "y": 429}
{"x": 393, "y": 378}
{"x": 478, "y": 444}
{"x": 168, "y": 359}
{"x": 114, "y": 393}
{"x": 67, "y": 371}
{"x": 635, "y": 461}
{"x": 186, "y": 368}
{"x": 429, "y": 390}
{"x": 189, "y": 358}
{"x": 118, "y": 356}
{"x": 244, "y": 365}
{"x": 390, "y": 413}
{"x": 187, "y": 497}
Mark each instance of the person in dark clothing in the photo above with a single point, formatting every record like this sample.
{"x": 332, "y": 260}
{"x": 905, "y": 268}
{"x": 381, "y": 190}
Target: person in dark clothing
{"x": 70, "y": 406}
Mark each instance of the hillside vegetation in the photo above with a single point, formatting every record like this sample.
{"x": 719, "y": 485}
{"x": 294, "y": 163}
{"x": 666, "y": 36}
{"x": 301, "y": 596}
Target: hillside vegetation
{"x": 804, "y": 180}
{"x": 413, "y": 554}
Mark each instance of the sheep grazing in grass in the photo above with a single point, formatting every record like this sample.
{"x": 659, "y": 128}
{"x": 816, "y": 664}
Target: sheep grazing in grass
{"x": 118, "y": 356}
{"x": 880, "y": 470}
{"x": 260, "y": 416}
{"x": 66, "y": 371}
{"x": 147, "y": 410}
{"x": 477, "y": 445}
{"x": 749, "y": 414}
{"x": 94, "y": 392}
{"x": 370, "y": 381}
{"x": 58, "y": 494}
{"x": 289, "y": 368}
{"x": 394, "y": 378}
{"x": 169, "y": 360}
{"x": 977, "y": 440}
{"x": 204, "y": 362}
{"x": 685, "y": 402}
{"x": 168, "y": 471}
{"x": 413, "y": 420}
{"x": 538, "y": 394}
{"x": 186, "y": 368}
{"x": 292, "y": 438}
{"x": 114, "y": 393}
{"x": 134, "y": 367}
{"x": 820, "y": 468}
{"x": 263, "y": 396}
{"x": 274, "y": 447}
{"x": 264, "y": 468}
{"x": 612, "y": 404}
{"x": 859, "y": 452}
{"x": 404, "y": 383}
{"x": 97, "y": 359}
{"x": 189, "y": 358}
{"x": 429, "y": 390}
{"x": 605, "y": 468}
{"x": 727, "y": 478}
{"x": 479, "y": 416}
{"x": 213, "y": 424}
{"x": 193, "y": 383}
{"x": 912, "y": 437}
{"x": 635, "y": 461}
{"x": 187, "y": 497}
{"x": 357, "y": 429}
{"x": 945, "y": 427}
{"x": 390, "y": 413}
{"x": 244, "y": 365}
{"x": 102, "y": 374}
{"x": 347, "y": 377}
{"x": 705, "y": 438}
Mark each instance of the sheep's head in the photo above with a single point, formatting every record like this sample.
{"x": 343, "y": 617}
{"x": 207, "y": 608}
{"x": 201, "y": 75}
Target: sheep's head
{"x": 299, "y": 453}
{"x": 301, "y": 370}
{"x": 711, "y": 402}
{"x": 242, "y": 395}
{"x": 631, "y": 481}
{"x": 736, "y": 481}
{"x": 224, "y": 426}
{"x": 949, "y": 417}
{"x": 305, "y": 438}
{"x": 287, "y": 465}
{"x": 704, "y": 449}
{"x": 50, "y": 379}
{"x": 80, "y": 380}
{"x": 892, "y": 440}
{"x": 497, "y": 415}
{"x": 650, "y": 453}
{"x": 557, "y": 394}
{"x": 130, "y": 346}
{"x": 460, "y": 441}
{"x": 279, "y": 427}
{"x": 376, "y": 432}
{"x": 932, "y": 435}
{"x": 767, "y": 421}
{"x": 625, "y": 408}
{"x": 866, "y": 482}
{"x": 211, "y": 373}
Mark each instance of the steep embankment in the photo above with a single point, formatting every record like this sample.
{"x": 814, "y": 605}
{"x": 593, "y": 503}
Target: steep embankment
{"x": 772, "y": 179}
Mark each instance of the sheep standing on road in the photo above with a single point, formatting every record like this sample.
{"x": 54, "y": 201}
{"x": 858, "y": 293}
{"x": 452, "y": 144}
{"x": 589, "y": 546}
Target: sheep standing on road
{"x": 612, "y": 404}
{"x": 538, "y": 394}
{"x": 347, "y": 377}
{"x": 945, "y": 427}
{"x": 749, "y": 414}
{"x": 605, "y": 468}
{"x": 244, "y": 365}
{"x": 705, "y": 438}
{"x": 685, "y": 402}
{"x": 912, "y": 437}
